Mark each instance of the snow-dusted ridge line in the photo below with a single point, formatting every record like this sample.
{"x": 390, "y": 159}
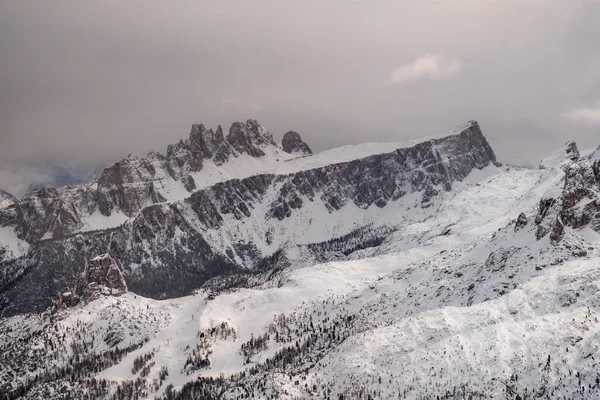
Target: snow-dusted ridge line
{"x": 295, "y": 164}
{"x": 242, "y": 166}
{"x": 280, "y": 164}
{"x": 350, "y": 153}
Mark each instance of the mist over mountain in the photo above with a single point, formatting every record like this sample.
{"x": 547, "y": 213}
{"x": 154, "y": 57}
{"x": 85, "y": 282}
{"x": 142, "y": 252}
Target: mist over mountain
{"x": 18, "y": 178}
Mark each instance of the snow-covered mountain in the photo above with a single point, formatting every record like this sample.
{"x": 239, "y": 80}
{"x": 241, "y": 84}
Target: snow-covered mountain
{"x": 171, "y": 241}
{"x": 403, "y": 270}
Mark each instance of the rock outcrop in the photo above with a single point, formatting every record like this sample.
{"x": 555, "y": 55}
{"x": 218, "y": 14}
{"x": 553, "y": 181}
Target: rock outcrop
{"x": 521, "y": 222}
{"x": 203, "y": 144}
{"x": 249, "y": 138}
{"x": 66, "y": 300}
{"x": 572, "y": 151}
{"x": 292, "y": 143}
{"x": 188, "y": 156}
{"x": 577, "y": 204}
{"x": 104, "y": 277}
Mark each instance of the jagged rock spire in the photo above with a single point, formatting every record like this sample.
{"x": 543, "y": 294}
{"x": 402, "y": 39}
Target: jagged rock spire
{"x": 577, "y": 204}
{"x": 249, "y": 138}
{"x": 104, "y": 277}
{"x": 572, "y": 151}
{"x": 292, "y": 143}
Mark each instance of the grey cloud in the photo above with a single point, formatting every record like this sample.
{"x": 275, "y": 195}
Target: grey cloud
{"x": 18, "y": 178}
{"x": 586, "y": 115}
{"x": 431, "y": 66}
{"x": 86, "y": 83}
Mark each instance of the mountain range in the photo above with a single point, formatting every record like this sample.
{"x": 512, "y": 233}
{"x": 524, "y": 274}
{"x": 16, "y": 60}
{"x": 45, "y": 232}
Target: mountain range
{"x": 236, "y": 267}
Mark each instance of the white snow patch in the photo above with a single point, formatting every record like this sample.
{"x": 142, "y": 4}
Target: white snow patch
{"x": 10, "y": 241}
{"x": 98, "y": 221}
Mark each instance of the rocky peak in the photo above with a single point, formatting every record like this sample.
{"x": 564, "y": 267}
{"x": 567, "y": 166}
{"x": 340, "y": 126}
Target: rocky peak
{"x": 132, "y": 183}
{"x": 521, "y": 222}
{"x": 578, "y": 203}
{"x": 104, "y": 277}
{"x": 128, "y": 185}
{"x": 188, "y": 155}
{"x": 129, "y": 170}
{"x": 249, "y": 138}
{"x": 155, "y": 156}
{"x": 204, "y": 142}
{"x": 472, "y": 138}
{"x": 292, "y": 143}
{"x": 572, "y": 151}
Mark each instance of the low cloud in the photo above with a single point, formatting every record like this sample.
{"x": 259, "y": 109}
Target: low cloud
{"x": 434, "y": 67}
{"x": 17, "y": 179}
{"x": 585, "y": 115}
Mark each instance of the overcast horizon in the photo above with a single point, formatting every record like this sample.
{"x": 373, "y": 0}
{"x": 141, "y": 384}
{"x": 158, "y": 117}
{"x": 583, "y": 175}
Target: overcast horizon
{"x": 84, "y": 85}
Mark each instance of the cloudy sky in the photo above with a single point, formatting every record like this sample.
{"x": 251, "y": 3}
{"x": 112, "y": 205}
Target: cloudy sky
{"x": 84, "y": 83}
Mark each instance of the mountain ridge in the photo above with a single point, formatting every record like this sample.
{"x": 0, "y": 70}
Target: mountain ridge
{"x": 172, "y": 247}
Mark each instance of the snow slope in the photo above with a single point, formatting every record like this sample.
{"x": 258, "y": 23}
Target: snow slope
{"x": 10, "y": 245}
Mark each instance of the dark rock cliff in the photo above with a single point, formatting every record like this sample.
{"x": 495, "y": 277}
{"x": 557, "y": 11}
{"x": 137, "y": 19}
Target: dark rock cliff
{"x": 292, "y": 143}
{"x": 578, "y": 203}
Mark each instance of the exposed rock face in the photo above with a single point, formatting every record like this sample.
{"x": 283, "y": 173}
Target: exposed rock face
{"x": 521, "y": 222}
{"x": 67, "y": 299}
{"x": 496, "y": 261}
{"x": 50, "y": 212}
{"x": 104, "y": 277}
{"x": 189, "y": 183}
{"x": 189, "y": 155}
{"x": 578, "y": 204}
{"x": 292, "y": 143}
{"x": 572, "y": 151}
{"x": 169, "y": 249}
{"x": 249, "y": 138}
{"x": 128, "y": 186}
